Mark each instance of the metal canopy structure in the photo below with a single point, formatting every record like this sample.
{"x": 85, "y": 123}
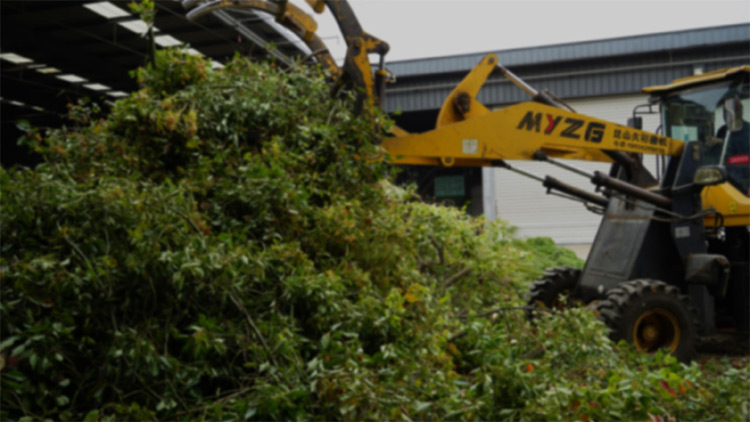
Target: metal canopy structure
{"x": 53, "y": 53}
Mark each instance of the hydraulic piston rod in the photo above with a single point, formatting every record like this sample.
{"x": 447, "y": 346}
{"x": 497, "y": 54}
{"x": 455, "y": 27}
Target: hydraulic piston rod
{"x": 552, "y": 183}
{"x": 601, "y": 179}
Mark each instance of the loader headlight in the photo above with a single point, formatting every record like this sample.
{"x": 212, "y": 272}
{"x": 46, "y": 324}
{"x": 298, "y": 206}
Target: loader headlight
{"x": 710, "y": 175}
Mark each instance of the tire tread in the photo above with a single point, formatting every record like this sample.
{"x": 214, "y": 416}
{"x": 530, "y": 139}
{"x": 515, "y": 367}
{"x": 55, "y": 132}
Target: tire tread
{"x": 619, "y": 299}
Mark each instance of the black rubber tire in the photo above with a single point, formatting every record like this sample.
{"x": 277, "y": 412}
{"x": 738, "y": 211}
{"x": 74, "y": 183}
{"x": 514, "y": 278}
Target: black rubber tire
{"x": 544, "y": 293}
{"x": 626, "y": 306}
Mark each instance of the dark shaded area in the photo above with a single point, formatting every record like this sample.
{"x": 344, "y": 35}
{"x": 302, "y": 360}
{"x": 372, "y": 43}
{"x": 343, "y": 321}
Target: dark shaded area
{"x": 425, "y": 176}
{"x": 69, "y": 37}
{"x": 10, "y": 152}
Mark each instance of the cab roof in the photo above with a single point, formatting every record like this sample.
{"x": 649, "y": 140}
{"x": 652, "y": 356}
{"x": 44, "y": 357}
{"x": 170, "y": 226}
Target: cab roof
{"x": 715, "y": 75}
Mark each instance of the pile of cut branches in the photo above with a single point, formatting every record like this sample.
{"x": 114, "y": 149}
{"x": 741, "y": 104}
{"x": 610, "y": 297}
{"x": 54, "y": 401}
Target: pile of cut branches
{"x": 216, "y": 247}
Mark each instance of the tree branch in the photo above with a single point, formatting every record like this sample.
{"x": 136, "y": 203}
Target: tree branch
{"x": 452, "y": 279}
{"x": 252, "y": 325}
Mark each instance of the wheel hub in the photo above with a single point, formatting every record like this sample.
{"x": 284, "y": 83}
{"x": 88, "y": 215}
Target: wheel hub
{"x": 656, "y": 329}
{"x": 651, "y": 333}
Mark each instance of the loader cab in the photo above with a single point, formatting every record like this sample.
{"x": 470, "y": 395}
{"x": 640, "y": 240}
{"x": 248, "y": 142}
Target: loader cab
{"x": 713, "y": 112}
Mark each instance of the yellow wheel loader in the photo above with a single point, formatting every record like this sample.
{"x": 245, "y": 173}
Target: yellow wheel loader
{"x": 668, "y": 267}
{"x": 669, "y": 264}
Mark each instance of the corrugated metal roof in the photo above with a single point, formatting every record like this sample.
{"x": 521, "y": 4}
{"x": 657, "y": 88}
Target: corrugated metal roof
{"x": 594, "y": 68}
{"x": 498, "y": 92}
{"x": 698, "y": 79}
{"x": 580, "y": 50}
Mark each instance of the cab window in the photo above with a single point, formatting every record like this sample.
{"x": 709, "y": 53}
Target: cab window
{"x": 699, "y": 114}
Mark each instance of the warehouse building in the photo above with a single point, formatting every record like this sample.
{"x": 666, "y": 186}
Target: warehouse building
{"x": 600, "y": 78}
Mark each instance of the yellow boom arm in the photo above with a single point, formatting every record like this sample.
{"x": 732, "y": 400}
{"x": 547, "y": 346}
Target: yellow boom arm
{"x": 516, "y": 132}
{"x": 469, "y": 134}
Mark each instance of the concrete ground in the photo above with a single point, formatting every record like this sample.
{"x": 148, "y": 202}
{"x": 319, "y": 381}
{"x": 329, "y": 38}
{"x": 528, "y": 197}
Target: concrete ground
{"x": 582, "y": 249}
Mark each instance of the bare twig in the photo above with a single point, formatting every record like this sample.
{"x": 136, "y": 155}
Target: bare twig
{"x": 452, "y": 279}
{"x": 457, "y": 336}
{"x": 489, "y": 313}
{"x": 439, "y": 250}
{"x": 112, "y": 316}
{"x": 189, "y": 220}
{"x": 503, "y": 309}
{"x": 313, "y": 54}
{"x": 106, "y": 237}
{"x": 166, "y": 335}
{"x": 75, "y": 248}
{"x": 176, "y": 396}
{"x": 252, "y": 325}
{"x": 505, "y": 320}
{"x": 203, "y": 408}
{"x": 22, "y": 407}
{"x": 463, "y": 314}
{"x": 330, "y": 115}
{"x": 140, "y": 379}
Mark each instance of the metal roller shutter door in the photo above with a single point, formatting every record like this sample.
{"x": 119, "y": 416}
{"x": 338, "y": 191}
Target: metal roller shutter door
{"x": 524, "y": 203}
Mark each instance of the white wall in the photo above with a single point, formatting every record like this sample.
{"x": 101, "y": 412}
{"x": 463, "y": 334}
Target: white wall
{"x": 523, "y": 202}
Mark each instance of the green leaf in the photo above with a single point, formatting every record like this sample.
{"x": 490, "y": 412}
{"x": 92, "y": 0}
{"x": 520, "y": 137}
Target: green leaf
{"x": 421, "y": 406}
{"x": 8, "y": 342}
{"x": 18, "y": 350}
{"x": 33, "y": 360}
{"x": 62, "y": 400}
{"x": 23, "y": 125}
{"x": 92, "y": 416}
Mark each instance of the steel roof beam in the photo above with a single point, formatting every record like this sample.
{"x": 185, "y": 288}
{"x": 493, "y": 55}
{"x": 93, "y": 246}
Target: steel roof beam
{"x": 229, "y": 20}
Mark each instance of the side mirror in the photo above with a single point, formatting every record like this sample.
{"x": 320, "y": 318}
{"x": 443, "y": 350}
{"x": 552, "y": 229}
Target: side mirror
{"x": 635, "y": 122}
{"x": 709, "y": 176}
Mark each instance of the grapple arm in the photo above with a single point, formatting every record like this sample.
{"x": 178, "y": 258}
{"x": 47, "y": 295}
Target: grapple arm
{"x": 356, "y": 72}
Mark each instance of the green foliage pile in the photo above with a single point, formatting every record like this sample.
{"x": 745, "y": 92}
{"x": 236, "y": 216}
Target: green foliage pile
{"x": 221, "y": 246}
{"x": 546, "y": 253}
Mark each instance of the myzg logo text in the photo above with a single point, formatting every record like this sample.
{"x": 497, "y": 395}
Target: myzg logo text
{"x": 569, "y": 128}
